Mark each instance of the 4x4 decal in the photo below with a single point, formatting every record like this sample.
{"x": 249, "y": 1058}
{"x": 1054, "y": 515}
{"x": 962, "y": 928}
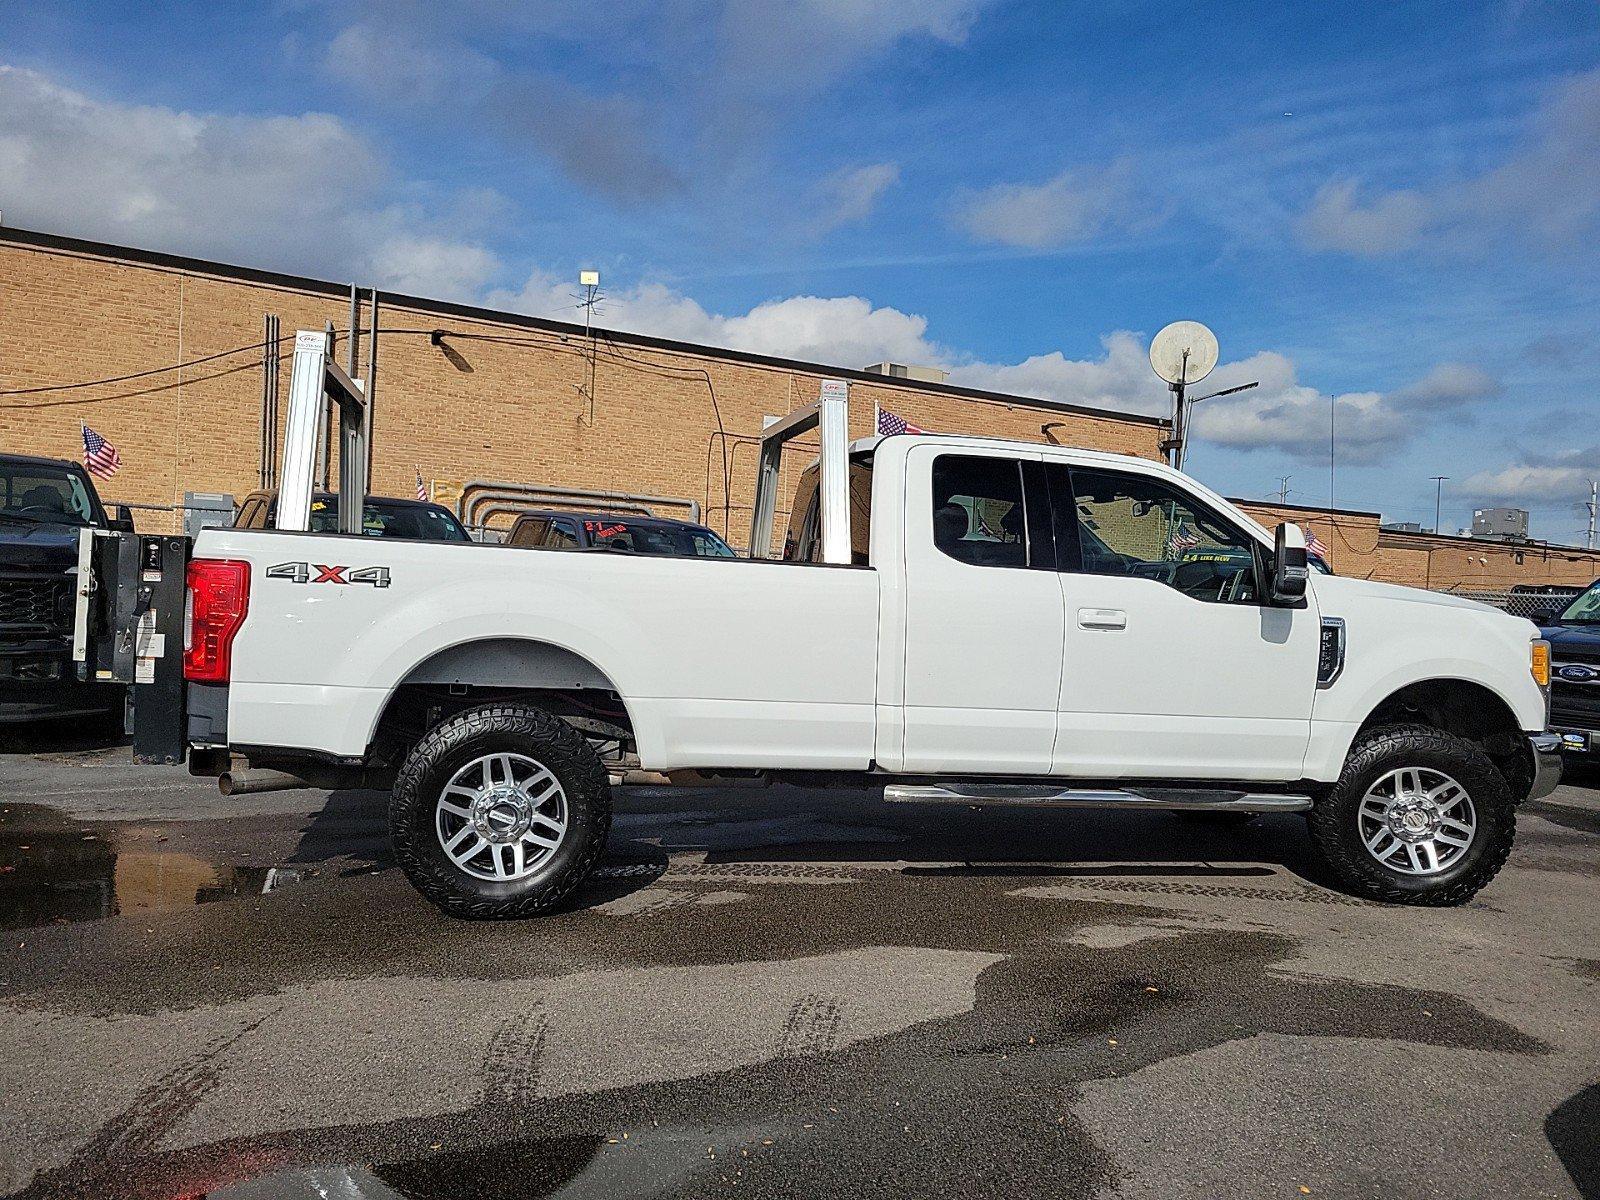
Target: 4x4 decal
{"x": 300, "y": 572}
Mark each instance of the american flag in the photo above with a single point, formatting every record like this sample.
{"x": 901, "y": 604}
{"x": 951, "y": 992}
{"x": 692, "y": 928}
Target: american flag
{"x": 1182, "y": 538}
{"x": 99, "y": 455}
{"x": 890, "y": 424}
{"x": 1314, "y": 545}
{"x": 422, "y": 488}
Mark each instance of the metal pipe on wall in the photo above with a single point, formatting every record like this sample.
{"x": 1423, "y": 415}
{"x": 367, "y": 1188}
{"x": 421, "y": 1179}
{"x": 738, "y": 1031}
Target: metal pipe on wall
{"x": 498, "y": 490}
{"x": 355, "y": 334}
{"x": 273, "y": 360}
{"x": 267, "y": 351}
{"x": 372, "y": 380}
{"x": 324, "y": 470}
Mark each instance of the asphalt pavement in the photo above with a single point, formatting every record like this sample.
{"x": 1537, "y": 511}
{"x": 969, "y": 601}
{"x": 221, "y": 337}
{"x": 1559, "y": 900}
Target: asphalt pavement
{"x": 775, "y": 992}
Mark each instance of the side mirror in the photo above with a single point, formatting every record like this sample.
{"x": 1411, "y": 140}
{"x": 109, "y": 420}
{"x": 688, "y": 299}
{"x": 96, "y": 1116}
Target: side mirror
{"x": 122, "y": 522}
{"x": 1289, "y": 568}
{"x": 1544, "y": 616}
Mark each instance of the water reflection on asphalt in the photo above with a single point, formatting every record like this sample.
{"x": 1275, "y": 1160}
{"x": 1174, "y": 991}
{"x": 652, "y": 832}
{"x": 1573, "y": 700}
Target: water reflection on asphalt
{"x": 54, "y": 870}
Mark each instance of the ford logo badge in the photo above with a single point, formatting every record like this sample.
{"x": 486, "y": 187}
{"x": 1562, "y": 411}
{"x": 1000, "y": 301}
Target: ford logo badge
{"x": 1578, "y": 673}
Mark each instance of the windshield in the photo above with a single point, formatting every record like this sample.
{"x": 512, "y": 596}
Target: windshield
{"x": 1585, "y": 607}
{"x": 47, "y": 495}
{"x": 691, "y": 540}
{"x": 378, "y": 519}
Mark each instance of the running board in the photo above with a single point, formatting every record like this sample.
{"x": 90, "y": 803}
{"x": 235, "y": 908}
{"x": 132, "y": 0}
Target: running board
{"x": 1027, "y": 795}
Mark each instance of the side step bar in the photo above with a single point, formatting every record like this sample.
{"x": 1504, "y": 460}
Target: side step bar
{"x": 1028, "y": 795}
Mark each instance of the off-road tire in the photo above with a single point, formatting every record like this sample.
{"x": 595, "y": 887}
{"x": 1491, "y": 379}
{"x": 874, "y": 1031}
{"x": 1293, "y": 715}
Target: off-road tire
{"x": 519, "y": 729}
{"x": 1335, "y": 826}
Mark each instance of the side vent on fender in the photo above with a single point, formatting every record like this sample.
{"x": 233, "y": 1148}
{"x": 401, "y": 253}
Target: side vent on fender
{"x": 1330, "y": 654}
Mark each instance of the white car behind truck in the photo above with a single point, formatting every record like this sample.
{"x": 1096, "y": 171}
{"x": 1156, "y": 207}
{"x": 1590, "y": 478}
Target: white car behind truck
{"x": 1000, "y": 623}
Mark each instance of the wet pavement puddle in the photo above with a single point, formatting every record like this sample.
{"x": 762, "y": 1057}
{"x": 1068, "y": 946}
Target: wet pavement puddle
{"x": 54, "y": 871}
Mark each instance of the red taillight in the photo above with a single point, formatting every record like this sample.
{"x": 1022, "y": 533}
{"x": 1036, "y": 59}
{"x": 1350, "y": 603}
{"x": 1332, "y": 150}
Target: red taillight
{"x": 219, "y": 596}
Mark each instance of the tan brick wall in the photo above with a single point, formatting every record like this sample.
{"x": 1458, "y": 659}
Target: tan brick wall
{"x": 515, "y": 408}
{"x": 1358, "y": 547}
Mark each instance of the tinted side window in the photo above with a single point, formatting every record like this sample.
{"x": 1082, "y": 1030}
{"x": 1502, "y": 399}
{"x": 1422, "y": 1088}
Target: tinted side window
{"x": 528, "y": 531}
{"x": 1140, "y": 526}
{"x": 563, "y": 535}
{"x": 247, "y": 514}
{"x": 978, "y": 514}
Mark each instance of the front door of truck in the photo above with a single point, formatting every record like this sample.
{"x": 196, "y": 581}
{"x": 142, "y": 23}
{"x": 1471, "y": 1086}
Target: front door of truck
{"x": 983, "y": 616}
{"x": 1173, "y": 666}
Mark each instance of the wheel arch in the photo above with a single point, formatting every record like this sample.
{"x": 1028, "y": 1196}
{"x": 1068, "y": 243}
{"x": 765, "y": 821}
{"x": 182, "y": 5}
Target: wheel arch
{"x": 1464, "y": 708}
{"x": 503, "y": 667}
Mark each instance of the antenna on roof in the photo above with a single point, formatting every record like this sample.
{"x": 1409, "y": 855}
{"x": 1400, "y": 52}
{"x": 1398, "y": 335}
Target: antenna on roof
{"x": 1183, "y": 353}
{"x": 592, "y": 296}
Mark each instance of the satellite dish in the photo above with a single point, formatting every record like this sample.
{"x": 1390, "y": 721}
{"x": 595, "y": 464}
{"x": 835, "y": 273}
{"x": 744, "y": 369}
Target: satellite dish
{"x": 1184, "y": 352}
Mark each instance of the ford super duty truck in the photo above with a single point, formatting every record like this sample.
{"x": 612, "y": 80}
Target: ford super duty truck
{"x": 950, "y": 619}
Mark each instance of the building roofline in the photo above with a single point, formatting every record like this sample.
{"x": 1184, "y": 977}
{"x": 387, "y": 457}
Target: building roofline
{"x": 305, "y": 283}
{"x": 1320, "y": 509}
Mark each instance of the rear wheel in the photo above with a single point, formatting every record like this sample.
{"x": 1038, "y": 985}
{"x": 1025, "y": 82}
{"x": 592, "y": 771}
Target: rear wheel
{"x": 500, "y": 811}
{"x": 1417, "y": 817}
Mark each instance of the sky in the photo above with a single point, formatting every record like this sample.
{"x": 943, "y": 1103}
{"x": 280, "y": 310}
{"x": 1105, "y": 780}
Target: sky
{"x": 1389, "y": 214}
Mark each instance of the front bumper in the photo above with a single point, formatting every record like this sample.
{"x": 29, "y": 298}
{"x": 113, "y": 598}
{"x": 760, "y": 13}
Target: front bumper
{"x": 1545, "y": 749}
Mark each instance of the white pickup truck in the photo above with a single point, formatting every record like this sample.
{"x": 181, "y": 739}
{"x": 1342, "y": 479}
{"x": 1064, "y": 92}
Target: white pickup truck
{"x": 1005, "y": 623}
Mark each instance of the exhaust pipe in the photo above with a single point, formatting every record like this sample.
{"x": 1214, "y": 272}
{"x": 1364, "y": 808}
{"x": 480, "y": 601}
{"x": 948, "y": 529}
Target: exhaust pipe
{"x": 239, "y": 780}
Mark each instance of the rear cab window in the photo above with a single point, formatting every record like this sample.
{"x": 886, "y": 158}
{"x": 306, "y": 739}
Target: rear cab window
{"x": 979, "y": 514}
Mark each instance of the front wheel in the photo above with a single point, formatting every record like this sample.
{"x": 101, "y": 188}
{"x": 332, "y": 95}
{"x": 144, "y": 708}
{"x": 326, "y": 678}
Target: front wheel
{"x": 500, "y": 811}
{"x": 1417, "y": 817}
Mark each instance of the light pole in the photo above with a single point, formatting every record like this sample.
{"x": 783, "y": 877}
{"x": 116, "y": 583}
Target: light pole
{"x": 1438, "y": 495}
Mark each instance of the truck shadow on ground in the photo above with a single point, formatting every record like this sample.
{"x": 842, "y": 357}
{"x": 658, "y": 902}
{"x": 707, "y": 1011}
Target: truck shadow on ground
{"x": 1574, "y": 1133}
{"x": 782, "y": 829}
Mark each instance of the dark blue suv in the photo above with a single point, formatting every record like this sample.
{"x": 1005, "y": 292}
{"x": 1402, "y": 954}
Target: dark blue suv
{"x": 1574, "y": 636}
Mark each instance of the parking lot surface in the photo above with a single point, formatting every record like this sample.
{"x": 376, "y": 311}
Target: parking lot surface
{"x": 776, "y": 992}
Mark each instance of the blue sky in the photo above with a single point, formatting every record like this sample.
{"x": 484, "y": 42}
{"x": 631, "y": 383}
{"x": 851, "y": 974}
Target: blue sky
{"x": 1391, "y": 211}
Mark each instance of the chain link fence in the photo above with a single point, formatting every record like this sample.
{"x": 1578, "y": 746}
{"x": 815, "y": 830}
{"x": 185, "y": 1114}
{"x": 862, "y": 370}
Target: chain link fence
{"x": 1520, "y": 603}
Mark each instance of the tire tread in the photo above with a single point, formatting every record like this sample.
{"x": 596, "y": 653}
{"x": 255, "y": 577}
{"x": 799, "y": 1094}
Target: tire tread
{"x": 1359, "y": 872}
{"x": 561, "y": 748}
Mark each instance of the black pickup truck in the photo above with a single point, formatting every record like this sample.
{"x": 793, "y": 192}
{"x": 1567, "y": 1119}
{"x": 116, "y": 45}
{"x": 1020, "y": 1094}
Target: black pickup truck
{"x": 1574, "y": 637}
{"x": 44, "y": 502}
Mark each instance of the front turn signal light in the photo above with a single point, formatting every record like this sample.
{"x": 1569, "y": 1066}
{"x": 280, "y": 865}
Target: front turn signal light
{"x": 1539, "y": 662}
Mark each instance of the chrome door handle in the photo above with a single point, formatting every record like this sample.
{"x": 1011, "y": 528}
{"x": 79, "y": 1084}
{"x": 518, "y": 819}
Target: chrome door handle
{"x": 1102, "y": 618}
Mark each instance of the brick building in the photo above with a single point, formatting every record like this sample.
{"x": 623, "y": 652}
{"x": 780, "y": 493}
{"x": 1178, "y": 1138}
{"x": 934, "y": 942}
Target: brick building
{"x": 512, "y": 398}
{"x": 498, "y": 396}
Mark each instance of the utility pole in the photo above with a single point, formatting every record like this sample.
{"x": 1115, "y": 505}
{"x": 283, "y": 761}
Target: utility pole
{"x": 1283, "y": 488}
{"x": 1594, "y": 503}
{"x": 589, "y": 281}
{"x": 1438, "y": 495}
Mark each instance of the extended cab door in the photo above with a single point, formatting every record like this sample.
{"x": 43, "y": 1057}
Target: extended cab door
{"x": 1173, "y": 666}
{"x": 983, "y": 616}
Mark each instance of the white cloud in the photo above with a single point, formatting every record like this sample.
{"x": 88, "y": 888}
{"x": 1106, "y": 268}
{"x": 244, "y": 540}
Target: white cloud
{"x": 1336, "y": 220}
{"x": 1538, "y": 478}
{"x": 1122, "y": 379}
{"x": 1285, "y": 414}
{"x": 301, "y": 193}
{"x": 846, "y": 330}
{"x": 800, "y": 46}
{"x": 1282, "y": 414}
{"x": 406, "y": 61}
{"x": 1079, "y": 204}
{"x": 433, "y": 267}
{"x": 849, "y": 195}
{"x": 1547, "y": 192}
